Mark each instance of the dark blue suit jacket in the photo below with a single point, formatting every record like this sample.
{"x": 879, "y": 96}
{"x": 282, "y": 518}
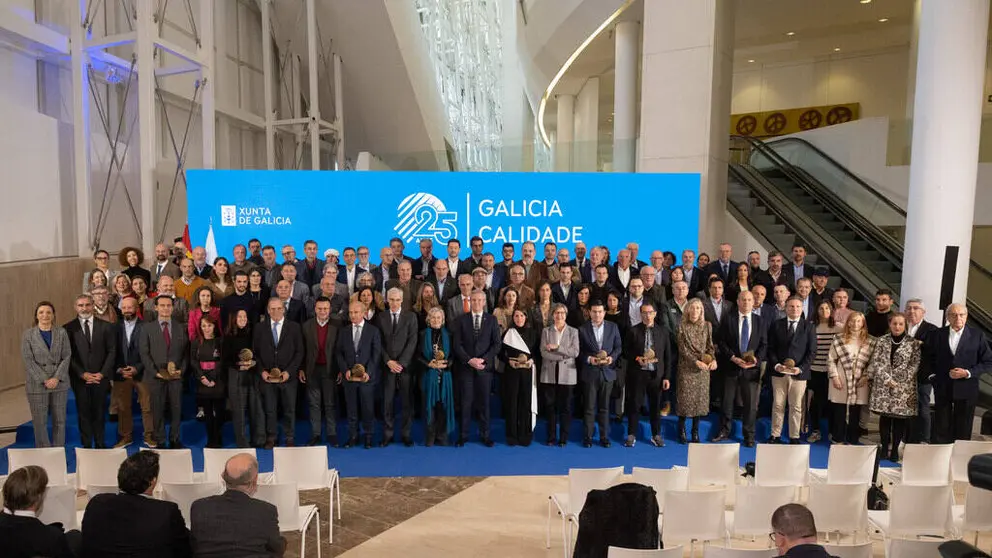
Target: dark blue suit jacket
{"x": 128, "y": 353}
{"x": 728, "y": 344}
{"x": 973, "y": 354}
{"x": 585, "y": 270}
{"x": 369, "y": 352}
{"x": 612, "y": 344}
{"x": 467, "y": 347}
{"x": 801, "y": 348}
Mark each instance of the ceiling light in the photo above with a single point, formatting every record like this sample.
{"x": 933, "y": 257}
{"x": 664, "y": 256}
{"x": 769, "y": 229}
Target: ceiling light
{"x": 836, "y": 49}
{"x": 883, "y": 20}
{"x": 866, "y": 1}
{"x": 790, "y": 33}
{"x": 751, "y": 61}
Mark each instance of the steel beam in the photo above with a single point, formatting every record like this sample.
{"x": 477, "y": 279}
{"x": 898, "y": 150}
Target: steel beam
{"x": 339, "y": 110}
{"x": 267, "y": 78}
{"x": 80, "y": 131}
{"x": 112, "y": 40}
{"x": 147, "y": 130}
{"x": 208, "y": 107}
{"x": 312, "y": 64}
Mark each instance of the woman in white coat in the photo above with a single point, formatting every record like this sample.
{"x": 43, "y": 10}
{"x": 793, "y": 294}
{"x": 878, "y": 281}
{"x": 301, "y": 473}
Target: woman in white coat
{"x": 559, "y": 349}
{"x": 847, "y": 368}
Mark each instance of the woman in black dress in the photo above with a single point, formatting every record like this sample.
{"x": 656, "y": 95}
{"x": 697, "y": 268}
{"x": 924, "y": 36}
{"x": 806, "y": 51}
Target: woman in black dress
{"x": 580, "y": 314}
{"x": 259, "y": 292}
{"x": 520, "y": 346}
{"x": 210, "y": 387}
{"x": 242, "y": 380}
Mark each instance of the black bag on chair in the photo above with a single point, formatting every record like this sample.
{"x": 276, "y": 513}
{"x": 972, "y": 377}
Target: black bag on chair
{"x": 624, "y": 516}
{"x": 878, "y": 500}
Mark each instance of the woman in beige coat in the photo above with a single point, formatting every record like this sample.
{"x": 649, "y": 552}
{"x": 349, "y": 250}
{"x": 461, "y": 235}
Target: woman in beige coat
{"x": 559, "y": 349}
{"x": 847, "y": 368}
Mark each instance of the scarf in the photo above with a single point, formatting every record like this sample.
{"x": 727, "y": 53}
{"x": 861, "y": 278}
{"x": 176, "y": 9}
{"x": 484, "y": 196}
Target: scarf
{"x": 512, "y": 338}
{"x": 852, "y": 365}
{"x": 434, "y": 393}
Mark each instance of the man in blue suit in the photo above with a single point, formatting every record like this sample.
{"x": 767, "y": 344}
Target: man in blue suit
{"x": 359, "y": 344}
{"x": 476, "y": 344}
{"x": 597, "y": 375}
{"x": 791, "y": 338}
{"x": 960, "y": 354}
{"x": 740, "y": 332}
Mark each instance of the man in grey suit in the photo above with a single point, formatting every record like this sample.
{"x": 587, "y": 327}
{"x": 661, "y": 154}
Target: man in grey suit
{"x": 462, "y": 302}
{"x": 162, "y": 266}
{"x": 165, "y": 342}
{"x": 233, "y": 524}
{"x": 399, "y": 335}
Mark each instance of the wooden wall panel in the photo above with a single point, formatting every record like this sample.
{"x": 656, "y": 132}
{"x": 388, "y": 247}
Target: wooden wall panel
{"x": 22, "y": 285}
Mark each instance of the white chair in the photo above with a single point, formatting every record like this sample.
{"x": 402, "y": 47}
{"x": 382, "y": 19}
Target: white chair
{"x": 915, "y": 510}
{"x": 98, "y": 466}
{"x": 724, "y": 552}
{"x": 863, "y": 550}
{"x": 615, "y": 552}
{"x": 715, "y": 465}
{"x": 755, "y": 504}
{"x": 695, "y": 515}
{"x": 97, "y": 489}
{"x": 308, "y": 468}
{"x": 661, "y": 480}
{"x": 847, "y": 465}
{"x": 184, "y": 494}
{"x": 52, "y": 460}
{"x": 911, "y": 548}
{"x": 922, "y": 464}
{"x": 976, "y": 513}
{"x": 214, "y": 460}
{"x": 292, "y": 516}
{"x": 60, "y": 507}
{"x": 580, "y": 482}
{"x": 174, "y": 465}
{"x": 840, "y": 508}
{"x": 963, "y": 451}
{"x": 782, "y": 465}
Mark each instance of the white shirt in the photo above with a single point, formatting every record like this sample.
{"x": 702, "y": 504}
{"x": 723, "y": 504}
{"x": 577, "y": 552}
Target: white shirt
{"x": 21, "y": 513}
{"x": 912, "y": 329}
{"x": 322, "y": 323}
{"x": 489, "y": 278}
{"x": 350, "y": 273}
{"x": 159, "y": 267}
{"x": 597, "y": 331}
{"x": 953, "y": 338}
{"x": 87, "y": 323}
{"x": 565, "y": 288}
{"x": 634, "y": 310}
{"x": 477, "y": 319}
{"x": 129, "y": 329}
{"x": 453, "y": 267}
{"x": 441, "y": 283}
{"x": 623, "y": 275}
{"x": 717, "y": 308}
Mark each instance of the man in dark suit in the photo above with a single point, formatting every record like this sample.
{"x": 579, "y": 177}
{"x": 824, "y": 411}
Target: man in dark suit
{"x": 777, "y": 274}
{"x": 508, "y": 252}
{"x": 646, "y": 376}
{"x": 715, "y": 306}
{"x": 603, "y": 283}
{"x": 456, "y": 266}
{"x": 399, "y": 344}
{"x": 234, "y": 524}
{"x": 723, "y": 266}
{"x": 423, "y": 265}
{"x": 295, "y": 310}
{"x": 132, "y": 523}
{"x": 167, "y": 287}
{"x": 444, "y": 286}
{"x": 348, "y": 271}
{"x": 94, "y": 350}
{"x": 740, "y": 332}
{"x": 397, "y": 245}
{"x": 692, "y": 275}
{"x": 564, "y": 291}
{"x": 496, "y": 276}
{"x": 920, "y": 329}
{"x": 462, "y": 302}
{"x": 474, "y": 259}
{"x": 201, "y": 267}
{"x": 622, "y": 271}
{"x": 320, "y": 337}
{"x": 128, "y": 375}
{"x": 479, "y": 283}
{"x": 162, "y": 266}
{"x": 597, "y": 376}
{"x": 821, "y": 292}
{"x": 164, "y": 341}
{"x": 22, "y": 534}
{"x": 385, "y": 271}
{"x": 359, "y": 344}
{"x": 959, "y": 354}
{"x": 310, "y": 269}
{"x": 476, "y": 341}
{"x": 582, "y": 263}
{"x": 278, "y": 346}
{"x": 792, "y": 338}
{"x": 406, "y": 283}
{"x": 653, "y": 289}
{"x": 804, "y": 290}
{"x": 798, "y": 265}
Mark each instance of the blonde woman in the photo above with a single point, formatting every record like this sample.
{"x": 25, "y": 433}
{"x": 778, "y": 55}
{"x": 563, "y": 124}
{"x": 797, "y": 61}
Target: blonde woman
{"x": 692, "y": 385}
{"x": 847, "y": 368}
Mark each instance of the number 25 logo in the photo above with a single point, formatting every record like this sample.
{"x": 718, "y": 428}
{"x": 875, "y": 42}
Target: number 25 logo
{"x": 422, "y": 216}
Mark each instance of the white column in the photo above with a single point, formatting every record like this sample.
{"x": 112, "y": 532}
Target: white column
{"x": 313, "y": 64}
{"x": 208, "y": 113}
{"x": 268, "y": 80}
{"x": 565, "y": 126}
{"x": 585, "y": 149}
{"x": 80, "y": 131}
{"x": 686, "y": 75}
{"x": 339, "y": 110}
{"x": 147, "y": 30}
{"x": 950, "y": 76}
{"x": 628, "y": 34}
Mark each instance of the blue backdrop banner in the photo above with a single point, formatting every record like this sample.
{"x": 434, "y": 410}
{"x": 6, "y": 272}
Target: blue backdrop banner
{"x": 338, "y": 209}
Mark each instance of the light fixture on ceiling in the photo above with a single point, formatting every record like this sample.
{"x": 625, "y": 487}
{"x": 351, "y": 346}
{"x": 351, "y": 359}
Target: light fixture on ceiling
{"x": 751, "y": 61}
{"x": 866, "y": 1}
{"x": 836, "y": 49}
{"x": 790, "y": 33}
{"x": 883, "y": 20}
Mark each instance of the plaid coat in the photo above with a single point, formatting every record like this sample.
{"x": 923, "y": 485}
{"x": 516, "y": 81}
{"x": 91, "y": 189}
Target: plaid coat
{"x": 844, "y": 363}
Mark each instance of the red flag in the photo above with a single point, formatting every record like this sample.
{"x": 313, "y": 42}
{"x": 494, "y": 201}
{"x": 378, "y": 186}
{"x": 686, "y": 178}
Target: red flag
{"x": 186, "y": 242}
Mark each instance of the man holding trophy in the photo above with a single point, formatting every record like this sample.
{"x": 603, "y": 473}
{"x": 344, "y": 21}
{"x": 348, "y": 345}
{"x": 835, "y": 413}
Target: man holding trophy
{"x": 599, "y": 349}
{"x": 278, "y": 345}
{"x": 164, "y": 349}
{"x": 358, "y": 354}
{"x": 649, "y": 359}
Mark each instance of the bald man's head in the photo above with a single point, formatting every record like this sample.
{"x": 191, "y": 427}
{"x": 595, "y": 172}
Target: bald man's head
{"x": 241, "y": 473}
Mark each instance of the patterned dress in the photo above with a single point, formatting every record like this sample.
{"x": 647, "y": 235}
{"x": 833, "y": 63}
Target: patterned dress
{"x": 693, "y": 385}
{"x": 893, "y": 377}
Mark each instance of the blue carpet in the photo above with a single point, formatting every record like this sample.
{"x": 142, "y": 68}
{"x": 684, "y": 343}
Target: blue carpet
{"x": 472, "y": 460}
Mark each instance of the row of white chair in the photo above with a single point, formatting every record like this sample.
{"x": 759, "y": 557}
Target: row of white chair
{"x": 306, "y": 467}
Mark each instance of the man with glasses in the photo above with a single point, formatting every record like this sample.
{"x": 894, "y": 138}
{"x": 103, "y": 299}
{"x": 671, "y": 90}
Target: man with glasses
{"x": 920, "y": 329}
{"x": 960, "y": 354}
{"x": 794, "y": 533}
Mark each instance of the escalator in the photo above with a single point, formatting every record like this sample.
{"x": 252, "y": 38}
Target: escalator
{"x": 787, "y": 190}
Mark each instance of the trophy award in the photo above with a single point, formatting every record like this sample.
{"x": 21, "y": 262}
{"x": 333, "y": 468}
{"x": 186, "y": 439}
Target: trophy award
{"x": 601, "y": 358}
{"x": 245, "y": 357}
{"x": 358, "y": 373}
{"x": 275, "y": 376}
{"x": 170, "y": 373}
{"x": 749, "y": 358}
{"x": 519, "y": 361}
{"x": 649, "y": 357}
{"x": 706, "y": 359}
{"x": 790, "y": 364}
{"x": 439, "y": 355}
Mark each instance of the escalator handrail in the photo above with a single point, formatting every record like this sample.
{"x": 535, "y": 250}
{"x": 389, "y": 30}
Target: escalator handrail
{"x": 833, "y": 162}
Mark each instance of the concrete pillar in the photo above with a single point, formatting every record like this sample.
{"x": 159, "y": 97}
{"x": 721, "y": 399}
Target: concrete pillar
{"x": 686, "y": 74}
{"x": 950, "y": 75}
{"x": 565, "y": 128}
{"x": 147, "y": 31}
{"x": 585, "y": 149}
{"x": 627, "y": 36}
{"x": 81, "y": 131}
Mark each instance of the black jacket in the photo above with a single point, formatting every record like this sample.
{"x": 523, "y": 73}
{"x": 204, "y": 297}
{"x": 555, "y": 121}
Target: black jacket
{"x": 235, "y": 525}
{"x": 633, "y": 347}
{"x": 97, "y": 355}
{"x": 287, "y": 356}
{"x": 625, "y": 516}
{"x": 807, "y": 551}
{"x": 27, "y": 537}
{"x": 154, "y": 528}
{"x": 800, "y": 347}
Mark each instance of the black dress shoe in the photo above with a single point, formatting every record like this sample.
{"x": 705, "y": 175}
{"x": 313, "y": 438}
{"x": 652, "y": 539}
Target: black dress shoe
{"x": 749, "y": 442}
{"x": 794, "y": 441}
{"x": 605, "y": 443}
{"x": 488, "y": 442}
{"x": 587, "y": 443}
{"x": 368, "y": 442}
{"x": 460, "y": 443}
{"x": 176, "y": 444}
{"x": 682, "y": 438}
{"x": 721, "y": 436}
{"x": 352, "y": 442}
{"x": 657, "y": 441}
{"x": 773, "y": 440}
{"x": 407, "y": 442}
{"x": 332, "y": 441}
{"x": 562, "y": 443}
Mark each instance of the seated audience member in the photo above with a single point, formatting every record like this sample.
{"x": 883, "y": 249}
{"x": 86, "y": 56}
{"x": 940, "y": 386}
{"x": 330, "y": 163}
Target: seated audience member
{"x": 132, "y": 523}
{"x": 22, "y": 535}
{"x": 233, "y": 524}
{"x": 794, "y": 533}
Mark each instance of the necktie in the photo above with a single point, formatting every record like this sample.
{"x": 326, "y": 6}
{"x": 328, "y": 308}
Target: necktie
{"x": 275, "y": 333}
{"x": 160, "y": 267}
{"x": 477, "y": 325}
{"x": 166, "y": 336}
{"x": 356, "y": 336}
{"x": 792, "y": 328}
{"x": 394, "y": 323}
{"x": 465, "y": 305}
{"x": 725, "y": 271}
{"x": 745, "y": 334}
{"x": 86, "y": 331}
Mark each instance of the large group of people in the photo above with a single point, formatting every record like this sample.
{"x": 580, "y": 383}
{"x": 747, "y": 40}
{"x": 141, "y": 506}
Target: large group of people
{"x": 252, "y": 337}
